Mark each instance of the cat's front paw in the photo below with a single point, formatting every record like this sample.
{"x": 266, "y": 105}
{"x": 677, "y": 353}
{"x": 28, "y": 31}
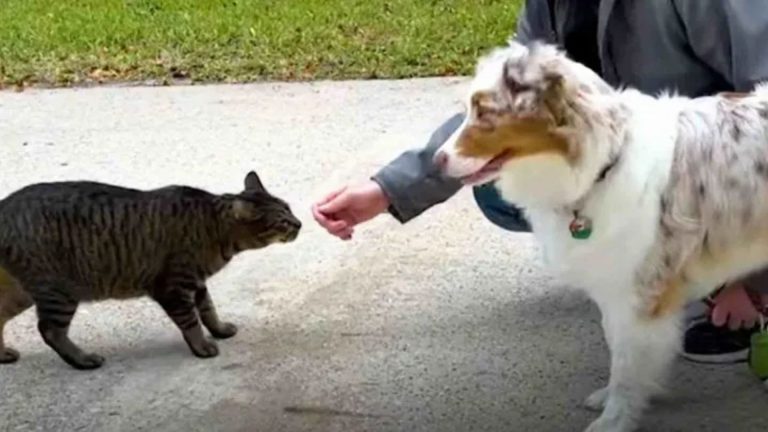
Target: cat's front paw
{"x": 205, "y": 349}
{"x": 224, "y": 331}
{"x": 87, "y": 362}
{"x": 8, "y": 355}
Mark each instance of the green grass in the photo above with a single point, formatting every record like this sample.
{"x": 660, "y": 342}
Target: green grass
{"x": 66, "y": 42}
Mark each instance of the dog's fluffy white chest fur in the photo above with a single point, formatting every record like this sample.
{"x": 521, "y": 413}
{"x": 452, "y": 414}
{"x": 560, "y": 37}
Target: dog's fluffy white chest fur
{"x": 624, "y": 210}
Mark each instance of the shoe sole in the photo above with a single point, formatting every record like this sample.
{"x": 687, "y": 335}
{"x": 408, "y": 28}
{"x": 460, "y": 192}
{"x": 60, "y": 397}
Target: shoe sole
{"x": 727, "y": 358}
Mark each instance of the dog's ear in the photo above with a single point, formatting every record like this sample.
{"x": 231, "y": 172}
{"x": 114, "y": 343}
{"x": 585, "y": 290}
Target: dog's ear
{"x": 510, "y": 77}
{"x": 554, "y": 81}
{"x": 554, "y": 96}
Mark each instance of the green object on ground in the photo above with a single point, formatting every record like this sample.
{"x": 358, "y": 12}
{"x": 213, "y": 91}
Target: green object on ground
{"x": 758, "y": 356}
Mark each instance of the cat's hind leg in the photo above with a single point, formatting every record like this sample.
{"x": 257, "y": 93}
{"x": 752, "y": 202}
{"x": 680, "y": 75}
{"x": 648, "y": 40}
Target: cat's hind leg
{"x": 56, "y": 306}
{"x": 13, "y": 301}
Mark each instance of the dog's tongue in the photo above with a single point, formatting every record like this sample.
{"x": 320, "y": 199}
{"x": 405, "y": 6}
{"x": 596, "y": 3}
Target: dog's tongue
{"x": 474, "y": 178}
{"x": 496, "y": 163}
{"x": 492, "y": 166}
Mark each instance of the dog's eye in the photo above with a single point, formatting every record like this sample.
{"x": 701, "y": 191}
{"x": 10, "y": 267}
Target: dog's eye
{"x": 483, "y": 105}
{"x": 484, "y": 110}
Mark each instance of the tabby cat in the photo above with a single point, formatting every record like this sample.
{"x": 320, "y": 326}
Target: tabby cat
{"x": 67, "y": 242}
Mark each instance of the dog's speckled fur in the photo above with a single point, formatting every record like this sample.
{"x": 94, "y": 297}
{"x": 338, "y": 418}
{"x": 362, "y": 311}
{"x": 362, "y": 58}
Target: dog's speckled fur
{"x": 680, "y": 210}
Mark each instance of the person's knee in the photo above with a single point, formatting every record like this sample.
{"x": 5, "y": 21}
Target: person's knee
{"x": 496, "y": 210}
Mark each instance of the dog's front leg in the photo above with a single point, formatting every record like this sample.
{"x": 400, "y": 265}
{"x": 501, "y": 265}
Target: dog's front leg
{"x": 642, "y": 349}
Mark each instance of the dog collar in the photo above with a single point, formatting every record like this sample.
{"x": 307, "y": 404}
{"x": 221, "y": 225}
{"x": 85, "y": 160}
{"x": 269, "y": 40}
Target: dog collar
{"x": 581, "y": 226}
{"x": 606, "y": 169}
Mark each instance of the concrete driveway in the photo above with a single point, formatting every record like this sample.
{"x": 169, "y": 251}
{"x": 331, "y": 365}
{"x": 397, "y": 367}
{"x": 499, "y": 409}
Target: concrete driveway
{"x": 444, "y": 324}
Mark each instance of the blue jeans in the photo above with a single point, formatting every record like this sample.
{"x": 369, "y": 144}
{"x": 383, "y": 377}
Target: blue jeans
{"x": 499, "y": 212}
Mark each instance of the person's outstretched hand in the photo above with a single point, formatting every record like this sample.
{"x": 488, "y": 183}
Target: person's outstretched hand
{"x": 342, "y": 209}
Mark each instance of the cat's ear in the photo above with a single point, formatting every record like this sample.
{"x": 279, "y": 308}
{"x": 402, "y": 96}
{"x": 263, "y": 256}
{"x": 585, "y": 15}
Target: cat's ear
{"x": 244, "y": 210}
{"x": 253, "y": 183}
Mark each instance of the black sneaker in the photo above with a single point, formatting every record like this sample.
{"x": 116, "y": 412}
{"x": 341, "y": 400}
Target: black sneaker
{"x": 706, "y": 343}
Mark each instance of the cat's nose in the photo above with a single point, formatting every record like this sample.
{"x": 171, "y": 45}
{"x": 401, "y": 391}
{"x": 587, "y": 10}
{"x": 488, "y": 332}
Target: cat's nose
{"x": 292, "y": 227}
{"x": 292, "y": 221}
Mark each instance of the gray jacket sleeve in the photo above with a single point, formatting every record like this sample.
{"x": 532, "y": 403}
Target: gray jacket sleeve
{"x": 731, "y": 36}
{"x": 411, "y": 182}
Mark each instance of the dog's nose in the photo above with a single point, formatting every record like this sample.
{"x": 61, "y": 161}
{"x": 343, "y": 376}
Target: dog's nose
{"x": 440, "y": 160}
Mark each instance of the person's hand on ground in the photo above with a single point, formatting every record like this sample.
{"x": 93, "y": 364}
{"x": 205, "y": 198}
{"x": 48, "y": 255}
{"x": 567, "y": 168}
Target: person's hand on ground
{"x": 340, "y": 211}
{"x": 733, "y": 306}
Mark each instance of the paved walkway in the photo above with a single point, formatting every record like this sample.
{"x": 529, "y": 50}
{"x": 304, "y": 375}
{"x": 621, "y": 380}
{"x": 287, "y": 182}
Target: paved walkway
{"x": 444, "y": 324}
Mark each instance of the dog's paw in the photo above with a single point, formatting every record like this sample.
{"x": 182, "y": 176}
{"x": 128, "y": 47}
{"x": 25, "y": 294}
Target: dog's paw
{"x": 599, "y": 425}
{"x": 611, "y": 425}
{"x": 596, "y": 401}
{"x": 604, "y": 424}
{"x": 614, "y": 420}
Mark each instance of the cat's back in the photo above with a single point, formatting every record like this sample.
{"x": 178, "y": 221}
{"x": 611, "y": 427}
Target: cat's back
{"x": 80, "y": 196}
{"x": 91, "y": 228}
{"x": 44, "y": 209}
{"x": 34, "y": 209}
{"x": 65, "y": 194}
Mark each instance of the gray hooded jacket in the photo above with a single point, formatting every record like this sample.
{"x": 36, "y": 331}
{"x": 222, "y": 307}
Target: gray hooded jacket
{"x": 696, "y": 47}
